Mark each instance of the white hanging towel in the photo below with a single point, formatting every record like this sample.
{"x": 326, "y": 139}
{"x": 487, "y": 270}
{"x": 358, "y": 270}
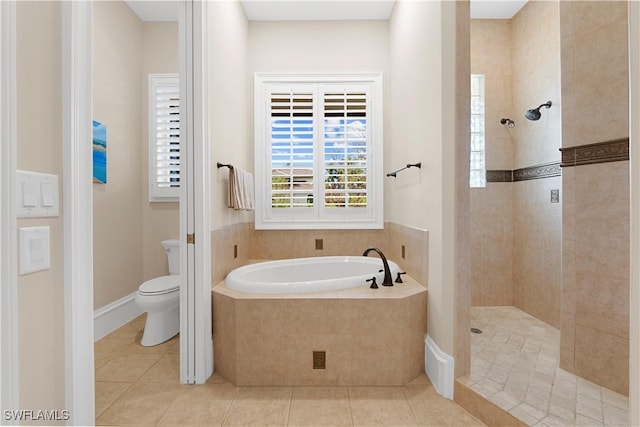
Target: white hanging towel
{"x": 240, "y": 189}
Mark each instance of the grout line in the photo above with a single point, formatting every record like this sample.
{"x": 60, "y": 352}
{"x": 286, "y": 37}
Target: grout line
{"x": 114, "y": 400}
{"x": 350, "y": 409}
{"x": 289, "y": 411}
{"x": 226, "y": 412}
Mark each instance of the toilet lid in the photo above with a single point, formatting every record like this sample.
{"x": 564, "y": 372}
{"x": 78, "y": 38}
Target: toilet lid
{"x": 160, "y": 285}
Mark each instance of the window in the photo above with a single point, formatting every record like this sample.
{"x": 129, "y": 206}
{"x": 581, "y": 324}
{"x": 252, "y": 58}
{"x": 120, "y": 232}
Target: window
{"x": 164, "y": 138}
{"x": 477, "y": 167}
{"x": 318, "y": 151}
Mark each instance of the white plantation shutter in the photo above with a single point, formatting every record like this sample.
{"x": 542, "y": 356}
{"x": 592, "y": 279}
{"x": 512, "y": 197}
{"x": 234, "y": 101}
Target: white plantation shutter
{"x": 345, "y": 141}
{"x": 292, "y": 149}
{"x": 164, "y": 137}
{"x": 315, "y": 161}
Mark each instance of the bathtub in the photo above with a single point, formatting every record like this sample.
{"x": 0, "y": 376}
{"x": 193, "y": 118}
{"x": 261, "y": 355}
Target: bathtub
{"x": 304, "y": 275}
{"x": 272, "y": 321}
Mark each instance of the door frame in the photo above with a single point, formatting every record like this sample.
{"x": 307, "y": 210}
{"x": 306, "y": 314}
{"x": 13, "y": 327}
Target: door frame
{"x": 77, "y": 110}
{"x": 9, "y": 392}
{"x": 196, "y": 360}
{"x": 196, "y": 344}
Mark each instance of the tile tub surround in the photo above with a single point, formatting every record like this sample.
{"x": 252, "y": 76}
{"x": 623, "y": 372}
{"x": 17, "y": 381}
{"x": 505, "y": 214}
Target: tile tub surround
{"x": 280, "y": 244}
{"x": 371, "y": 337}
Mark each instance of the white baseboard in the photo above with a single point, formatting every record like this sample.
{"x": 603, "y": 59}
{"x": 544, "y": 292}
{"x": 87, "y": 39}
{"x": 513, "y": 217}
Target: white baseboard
{"x": 110, "y": 317}
{"x": 439, "y": 368}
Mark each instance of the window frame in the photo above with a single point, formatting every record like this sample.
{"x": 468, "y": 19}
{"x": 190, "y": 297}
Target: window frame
{"x": 481, "y": 182}
{"x": 158, "y": 194}
{"x": 318, "y": 217}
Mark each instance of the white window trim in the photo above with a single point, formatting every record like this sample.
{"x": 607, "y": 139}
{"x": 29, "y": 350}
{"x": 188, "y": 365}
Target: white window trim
{"x": 158, "y": 194}
{"x": 375, "y": 184}
{"x": 482, "y": 182}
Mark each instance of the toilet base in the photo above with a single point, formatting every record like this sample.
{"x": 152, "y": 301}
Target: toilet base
{"x": 161, "y": 326}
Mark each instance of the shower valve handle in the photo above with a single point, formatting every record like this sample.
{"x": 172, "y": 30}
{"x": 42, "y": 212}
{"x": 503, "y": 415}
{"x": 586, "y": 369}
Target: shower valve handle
{"x": 374, "y": 285}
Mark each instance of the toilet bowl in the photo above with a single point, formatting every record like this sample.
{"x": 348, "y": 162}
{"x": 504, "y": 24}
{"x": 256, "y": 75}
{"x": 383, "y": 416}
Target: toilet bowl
{"x": 160, "y": 298}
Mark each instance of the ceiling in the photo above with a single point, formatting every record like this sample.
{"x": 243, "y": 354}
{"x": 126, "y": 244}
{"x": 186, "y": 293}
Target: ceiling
{"x": 318, "y": 10}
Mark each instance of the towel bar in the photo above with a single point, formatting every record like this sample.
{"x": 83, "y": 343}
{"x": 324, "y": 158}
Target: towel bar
{"x": 221, "y": 165}
{"x": 409, "y": 165}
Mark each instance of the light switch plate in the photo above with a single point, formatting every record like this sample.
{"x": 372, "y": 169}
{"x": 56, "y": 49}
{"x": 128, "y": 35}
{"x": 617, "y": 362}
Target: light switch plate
{"x": 35, "y": 249}
{"x": 38, "y": 195}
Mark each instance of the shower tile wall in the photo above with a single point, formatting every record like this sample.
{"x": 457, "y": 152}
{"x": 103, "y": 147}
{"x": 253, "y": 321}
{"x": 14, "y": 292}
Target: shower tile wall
{"x": 595, "y": 247}
{"x": 537, "y": 239}
{"x": 537, "y": 221}
{"x": 492, "y": 245}
{"x": 516, "y": 230}
{"x": 491, "y": 214}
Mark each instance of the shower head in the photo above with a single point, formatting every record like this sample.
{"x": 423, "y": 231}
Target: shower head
{"x": 510, "y": 123}
{"x": 534, "y": 114}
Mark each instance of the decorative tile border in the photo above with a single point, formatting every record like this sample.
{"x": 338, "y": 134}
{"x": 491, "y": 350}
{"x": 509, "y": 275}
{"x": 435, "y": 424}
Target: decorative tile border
{"x": 601, "y": 152}
{"x": 499, "y": 176}
{"x": 545, "y": 170}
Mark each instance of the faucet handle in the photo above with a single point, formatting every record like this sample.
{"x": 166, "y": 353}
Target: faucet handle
{"x": 399, "y": 279}
{"x": 374, "y": 285}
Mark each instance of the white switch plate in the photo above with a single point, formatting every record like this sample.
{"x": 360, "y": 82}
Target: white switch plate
{"x": 37, "y": 195}
{"x": 35, "y": 249}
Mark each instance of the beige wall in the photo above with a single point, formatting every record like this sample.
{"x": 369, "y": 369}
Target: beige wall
{"x": 39, "y": 140}
{"x": 128, "y": 228}
{"x": 231, "y": 105}
{"x": 117, "y": 103}
{"x": 423, "y": 122}
{"x": 595, "y": 245}
{"x": 491, "y": 207}
{"x": 160, "y": 220}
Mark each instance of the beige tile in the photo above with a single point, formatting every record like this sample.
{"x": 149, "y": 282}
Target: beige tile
{"x": 165, "y": 370}
{"x": 380, "y": 406}
{"x": 205, "y": 404}
{"x": 101, "y": 359}
{"x": 260, "y": 406}
{"x": 142, "y": 403}
{"x": 320, "y": 406}
{"x": 603, "y": 359}
{"x": 126, "y": 367}
{"x": 432, "y": 409}
{"x": 107, "y": 393}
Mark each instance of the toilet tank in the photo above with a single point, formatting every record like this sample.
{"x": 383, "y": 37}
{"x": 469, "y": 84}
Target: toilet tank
{"x": 172, "y": 247}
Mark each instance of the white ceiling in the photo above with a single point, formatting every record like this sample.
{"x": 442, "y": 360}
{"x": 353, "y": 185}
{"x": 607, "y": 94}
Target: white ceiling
{"x": 318, "y": 10}
{"x": 495, "y": 9}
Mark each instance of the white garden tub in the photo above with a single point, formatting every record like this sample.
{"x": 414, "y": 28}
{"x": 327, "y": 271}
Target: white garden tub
{"x": 301, "y": 275}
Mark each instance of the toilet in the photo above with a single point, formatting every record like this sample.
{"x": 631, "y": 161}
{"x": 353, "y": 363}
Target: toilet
{"x": 160, "y": 298}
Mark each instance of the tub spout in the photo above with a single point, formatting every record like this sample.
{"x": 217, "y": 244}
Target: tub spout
{"x": 387, "y": 272}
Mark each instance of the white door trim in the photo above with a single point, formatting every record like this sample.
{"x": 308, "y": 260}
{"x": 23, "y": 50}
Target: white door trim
{"x": 9, "y": 391}
{"x": 77, "y": 58}
{"x": 196, "y": 345}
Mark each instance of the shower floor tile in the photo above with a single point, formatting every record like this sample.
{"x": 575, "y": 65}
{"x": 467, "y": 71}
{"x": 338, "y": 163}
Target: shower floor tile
{"x": 514, "y": 364}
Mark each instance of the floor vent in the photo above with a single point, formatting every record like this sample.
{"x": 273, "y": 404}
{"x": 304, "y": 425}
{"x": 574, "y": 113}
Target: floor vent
{"x": 319, "y": 360}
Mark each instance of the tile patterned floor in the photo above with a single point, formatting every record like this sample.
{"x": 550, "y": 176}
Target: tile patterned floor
{"x": 139, "y": 385}
{"x": 514, "y": 364}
